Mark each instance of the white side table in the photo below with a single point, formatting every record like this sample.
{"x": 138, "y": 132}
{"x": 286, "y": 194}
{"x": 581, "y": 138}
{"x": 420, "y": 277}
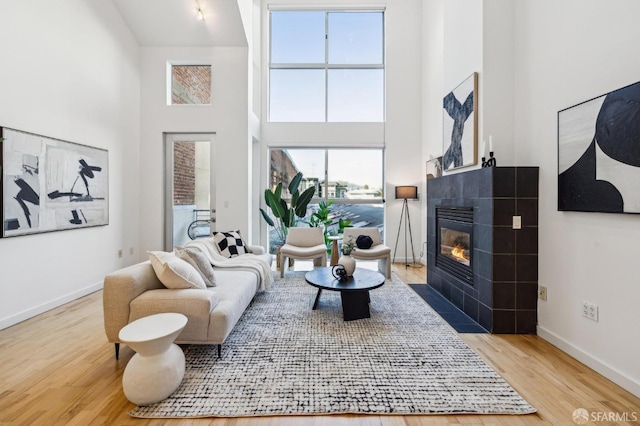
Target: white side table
{"x": 157, "y": 368}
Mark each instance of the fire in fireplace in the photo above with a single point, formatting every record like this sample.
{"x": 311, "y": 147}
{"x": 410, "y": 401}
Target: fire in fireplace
{"x": 455, "y": 241}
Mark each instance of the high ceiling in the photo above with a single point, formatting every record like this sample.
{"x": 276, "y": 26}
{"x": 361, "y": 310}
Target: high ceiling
{"x": 175, "y": 22}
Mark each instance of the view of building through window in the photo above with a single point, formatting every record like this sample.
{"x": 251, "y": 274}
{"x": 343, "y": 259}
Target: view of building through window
{"x": 190, "y": 84}
{"x": 352, "y": 178}
{"x": 326, "y": 66}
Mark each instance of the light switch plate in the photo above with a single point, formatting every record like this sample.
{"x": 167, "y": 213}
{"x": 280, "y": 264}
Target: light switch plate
{"x": 517, "y": 222}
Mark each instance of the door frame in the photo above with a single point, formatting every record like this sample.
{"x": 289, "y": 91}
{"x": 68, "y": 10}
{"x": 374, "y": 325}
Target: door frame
{"x": 168, "y": 139}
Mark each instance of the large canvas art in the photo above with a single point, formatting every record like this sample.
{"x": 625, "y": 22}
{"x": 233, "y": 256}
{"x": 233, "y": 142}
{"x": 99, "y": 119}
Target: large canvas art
{"x": 460, "y": 124}
{"x": 51, "y": 185}
{"x": 599, "y": 154}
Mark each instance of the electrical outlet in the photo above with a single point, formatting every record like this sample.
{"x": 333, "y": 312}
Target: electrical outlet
{"x": 542, "y": 293}
{"x": 130, "y": 251}
{"x": 590, "y": 310}
{"x": 120, "y": 252}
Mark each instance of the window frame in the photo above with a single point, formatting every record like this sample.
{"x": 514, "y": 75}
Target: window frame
{"x": 326, "y": 149}
{"x": 169, "y": 81}
{"x": 326, "y": 66}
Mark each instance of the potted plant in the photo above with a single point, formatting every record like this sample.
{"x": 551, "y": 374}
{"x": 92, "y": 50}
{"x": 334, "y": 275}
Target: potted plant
{"x": 346, "y": 260}
{"x": 320, "y": 219}
{"x": 286, "y": 215}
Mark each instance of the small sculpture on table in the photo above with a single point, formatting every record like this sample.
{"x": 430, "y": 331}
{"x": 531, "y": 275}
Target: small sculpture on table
{"x": 340, "y": 273}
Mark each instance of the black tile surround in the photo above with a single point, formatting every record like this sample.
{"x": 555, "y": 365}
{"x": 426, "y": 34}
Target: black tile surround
{"x": 503, "y": 297}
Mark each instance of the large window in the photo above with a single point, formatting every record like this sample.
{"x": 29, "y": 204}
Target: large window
{"x": 326, "y": 66}
{"x": 352, "y": 178}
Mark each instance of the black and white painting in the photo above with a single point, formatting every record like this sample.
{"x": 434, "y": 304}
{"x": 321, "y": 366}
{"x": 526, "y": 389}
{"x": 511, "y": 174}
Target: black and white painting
{"x": 599, "y": 154}
{"x": 460, "y": 124}
{"x": 51, "y": 185}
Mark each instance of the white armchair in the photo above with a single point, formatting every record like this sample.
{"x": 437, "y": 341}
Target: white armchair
{"x": 304, "y": 244}
{"x": 378, "y": 251}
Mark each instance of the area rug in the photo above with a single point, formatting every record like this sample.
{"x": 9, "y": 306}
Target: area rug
{"x": 283, "y": 358}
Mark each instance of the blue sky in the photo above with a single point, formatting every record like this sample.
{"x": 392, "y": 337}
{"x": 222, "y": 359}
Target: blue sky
{"x": 355, "y": 95}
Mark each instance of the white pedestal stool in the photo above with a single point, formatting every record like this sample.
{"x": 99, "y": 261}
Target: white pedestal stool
{"x": 157, "y": 368}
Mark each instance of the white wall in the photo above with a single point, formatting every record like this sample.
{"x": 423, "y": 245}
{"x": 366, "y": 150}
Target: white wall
{"x": 538, "y": 57}
{"x": 70, "y": 71}
{"x": 400, "y": 135}
{"x": 227, "y": 117}
{"x": 568, "y": 52}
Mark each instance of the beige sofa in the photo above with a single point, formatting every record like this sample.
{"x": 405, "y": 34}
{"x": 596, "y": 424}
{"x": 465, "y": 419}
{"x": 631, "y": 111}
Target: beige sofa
{"x": 135, "y": 292}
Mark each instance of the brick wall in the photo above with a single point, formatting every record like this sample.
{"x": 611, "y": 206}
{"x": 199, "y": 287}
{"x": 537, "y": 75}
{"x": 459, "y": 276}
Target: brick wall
{"x": 191, "y": 84}
{"x": 184, "y": 176}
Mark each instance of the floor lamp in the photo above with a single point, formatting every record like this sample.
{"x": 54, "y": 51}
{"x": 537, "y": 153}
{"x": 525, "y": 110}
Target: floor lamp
{"x": 405, "y": 193}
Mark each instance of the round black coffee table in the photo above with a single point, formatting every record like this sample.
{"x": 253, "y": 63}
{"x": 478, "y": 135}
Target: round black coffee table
{"x": 354, "y": 292}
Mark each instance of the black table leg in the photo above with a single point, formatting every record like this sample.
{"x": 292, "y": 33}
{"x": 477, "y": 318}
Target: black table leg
{"x": 315, "y": 304}
{"x": 355, "y": 305}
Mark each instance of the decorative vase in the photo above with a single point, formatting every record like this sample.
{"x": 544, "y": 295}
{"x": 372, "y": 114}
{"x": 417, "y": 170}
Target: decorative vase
{"x": 349, "y": 264}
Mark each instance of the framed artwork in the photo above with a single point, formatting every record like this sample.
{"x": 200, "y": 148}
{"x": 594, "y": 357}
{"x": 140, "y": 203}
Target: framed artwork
{"x": 599, "y": 153}
{"x": 434, "y": 168}
{"x": 51, "y": 185}
{"x": 460, "y": 125}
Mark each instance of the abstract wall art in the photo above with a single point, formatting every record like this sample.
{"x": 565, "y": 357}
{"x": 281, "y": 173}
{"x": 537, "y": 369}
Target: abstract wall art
{"x": 460, "y": 125}
{"x": 599, "y": 153}
{"x": 51, "y": 185}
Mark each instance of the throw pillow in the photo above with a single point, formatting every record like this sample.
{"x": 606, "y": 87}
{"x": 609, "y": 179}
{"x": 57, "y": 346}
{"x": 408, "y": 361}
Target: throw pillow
{"x": 230, "y": 244}
{"x": 174, "y": 272}
{"x": 364, "y": 242}
{"x": 198, "y": 260}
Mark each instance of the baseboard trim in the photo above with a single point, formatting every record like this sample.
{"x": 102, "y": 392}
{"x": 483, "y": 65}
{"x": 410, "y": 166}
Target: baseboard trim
{"x": 47, "y": 306}
{"x": 601, "y": 367}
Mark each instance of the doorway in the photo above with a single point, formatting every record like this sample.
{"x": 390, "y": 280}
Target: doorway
{"x": 189, "y": 187}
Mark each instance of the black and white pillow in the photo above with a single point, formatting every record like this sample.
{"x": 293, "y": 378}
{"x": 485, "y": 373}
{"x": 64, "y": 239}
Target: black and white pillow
{"x": 230, "y": 244}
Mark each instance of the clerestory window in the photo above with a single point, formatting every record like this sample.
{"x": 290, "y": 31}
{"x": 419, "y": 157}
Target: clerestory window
{"x": 326, "y": 66}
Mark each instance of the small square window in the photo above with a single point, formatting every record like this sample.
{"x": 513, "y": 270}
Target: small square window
{"x": 190, "y": 84}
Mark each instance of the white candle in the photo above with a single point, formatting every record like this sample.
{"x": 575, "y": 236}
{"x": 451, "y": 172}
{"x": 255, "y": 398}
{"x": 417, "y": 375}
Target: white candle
{"x": 490, "y": 143}
{"x": 483, "y": 149}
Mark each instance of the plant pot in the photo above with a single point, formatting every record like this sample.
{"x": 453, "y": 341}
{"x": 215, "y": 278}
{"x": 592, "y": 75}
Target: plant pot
{"x": 349, "y": 264}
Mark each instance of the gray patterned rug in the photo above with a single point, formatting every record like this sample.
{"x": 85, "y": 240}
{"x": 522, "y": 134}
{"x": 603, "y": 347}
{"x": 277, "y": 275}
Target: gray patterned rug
{"x": 283, "y": 358}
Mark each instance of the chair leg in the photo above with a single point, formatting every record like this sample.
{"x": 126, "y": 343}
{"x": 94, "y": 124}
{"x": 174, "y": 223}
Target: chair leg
{"x": 284, "y": 260}
{"x": 219, "y": 351}
{"x": 117, "y": 351}
{"x": 384, "y": 267}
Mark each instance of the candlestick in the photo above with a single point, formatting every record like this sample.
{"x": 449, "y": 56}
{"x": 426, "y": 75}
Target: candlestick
{"x": 490, "y": 143}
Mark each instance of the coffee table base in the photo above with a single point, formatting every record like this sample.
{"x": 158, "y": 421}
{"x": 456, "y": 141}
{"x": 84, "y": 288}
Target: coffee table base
{"x": 355, "y": 304}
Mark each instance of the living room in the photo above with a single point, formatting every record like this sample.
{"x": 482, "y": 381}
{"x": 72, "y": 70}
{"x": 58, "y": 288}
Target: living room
{"x": 76, "y": 71}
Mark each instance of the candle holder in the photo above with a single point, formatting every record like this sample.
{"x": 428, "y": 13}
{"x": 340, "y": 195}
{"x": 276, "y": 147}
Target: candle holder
{"x": 491, "y": 162}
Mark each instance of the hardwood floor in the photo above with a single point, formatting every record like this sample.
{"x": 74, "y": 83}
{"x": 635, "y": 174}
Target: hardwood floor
{"x": 58, "y": 368}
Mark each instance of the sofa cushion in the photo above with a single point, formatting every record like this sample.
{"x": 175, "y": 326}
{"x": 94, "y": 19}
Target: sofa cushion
{"x": 230, "y": 244}
{"x": 174, "y": 272}
{"x": 199, "y": 261}
{"x": 196, "y": 304}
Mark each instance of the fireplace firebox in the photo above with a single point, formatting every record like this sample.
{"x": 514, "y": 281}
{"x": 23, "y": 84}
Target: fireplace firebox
{"x": 454, "y": 246}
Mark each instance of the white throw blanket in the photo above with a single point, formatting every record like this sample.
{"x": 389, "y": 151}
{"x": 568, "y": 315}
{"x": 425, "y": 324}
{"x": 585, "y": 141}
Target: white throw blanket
{"x": 248, "y": 261}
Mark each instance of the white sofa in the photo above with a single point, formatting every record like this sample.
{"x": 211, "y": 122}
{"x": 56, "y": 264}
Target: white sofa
{"x": 135, "y": 292}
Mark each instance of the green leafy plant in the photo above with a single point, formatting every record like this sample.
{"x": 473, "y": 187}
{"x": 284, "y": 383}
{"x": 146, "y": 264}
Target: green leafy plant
{"x": 342, "y": 223}
{"x": 287, "y": 215}
{"x": 348, "y": 246}
{"x": 320, "y": 219}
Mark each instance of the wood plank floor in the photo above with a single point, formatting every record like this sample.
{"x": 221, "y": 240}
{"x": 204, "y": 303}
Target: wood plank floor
{"x": 59, "y": 369}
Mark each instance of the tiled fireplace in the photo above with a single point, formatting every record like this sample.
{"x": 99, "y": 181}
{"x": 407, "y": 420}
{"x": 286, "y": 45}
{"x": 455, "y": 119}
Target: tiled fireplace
{"x": 474, "y": 256}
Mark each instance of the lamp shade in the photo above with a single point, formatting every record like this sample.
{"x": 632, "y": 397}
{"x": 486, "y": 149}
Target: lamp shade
{"x": 407, "y": 192}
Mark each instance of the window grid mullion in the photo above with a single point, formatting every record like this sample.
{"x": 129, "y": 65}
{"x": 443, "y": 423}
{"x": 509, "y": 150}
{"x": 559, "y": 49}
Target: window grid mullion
{"x": 326, "y": 72}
